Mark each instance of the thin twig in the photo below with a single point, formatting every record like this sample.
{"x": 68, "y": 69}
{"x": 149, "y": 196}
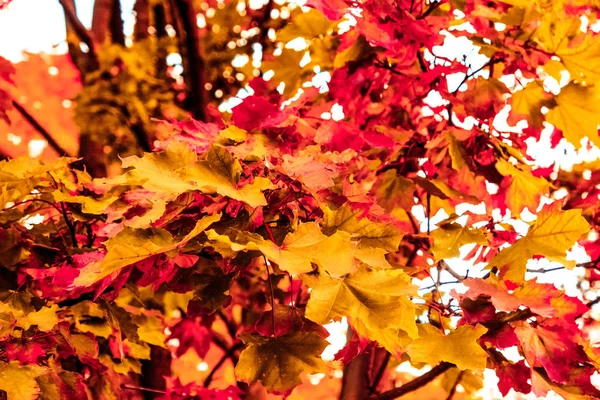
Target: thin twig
{"x": 428, "y": 214}
{"x": 453, "y": 390}
{"x": 432, "y": 7}
{"x": 143, "y": 389}
{"x": 69, "y": 225}
{"x": 230, "y": 328}
{"x": 272, "y": 295}
{"x": 415, "y": 384}
{"x": 38, "y": 127}
{"x": 229, "y": 353}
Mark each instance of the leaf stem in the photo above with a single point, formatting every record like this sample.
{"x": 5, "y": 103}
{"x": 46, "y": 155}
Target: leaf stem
{"x": 143, "y": 389}
{"x": 272, "y": 295}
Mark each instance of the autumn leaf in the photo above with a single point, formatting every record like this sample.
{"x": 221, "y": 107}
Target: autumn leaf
{"x": 379, "y": 300}
{"x": 306, "y": 245}
{"x": 459, "y": 347}
{"x": 551, "y": 235}
{"x": 541, "y": 298}
{"x": 578, "y": 52}
{"x": 527, "y": 104}
{"x": 523, "y": 189}
{"x": 18, "y": 381}
{"x": 450, "y": 237}
{"x": 307, "y": 25}
{"x": 576, "y": 113}
{"x": 132, "y": 245}
{"x": 176, "y": 170}
{"x": 278, "y": 362}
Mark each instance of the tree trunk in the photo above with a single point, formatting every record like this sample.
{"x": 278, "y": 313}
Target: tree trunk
{"x": 142, "y": 19}
{"x": 194, "y": 66}
{"x": 101, "y": 19}
{"x": 155, "y": 369}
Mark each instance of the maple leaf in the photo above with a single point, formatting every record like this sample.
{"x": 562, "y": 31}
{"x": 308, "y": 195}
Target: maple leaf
{"x": 459, "y": 347}
{"x": 523, "y": 189}
{"x": 551, "y": 347}
{"x": 176, "y": 170}
{"x": 306, "y": 245}
{"x": 132, "y": 245}
{"x": 19, "y": 381}
{"x": 528, "y": 102}
{"x": 375, "y": 240}
{"x": 278, "y": 362}
{"x": 541, "y": 298}
{"x": 450, "y": 237}
{"x": 551, "y": 235}
{"x": 307, "y": 25}
{"x": 576, "y": 113}
{"x": 257, "y": 113}
{"x": 191, "y": 334}
{"x": 578, "y": 52}
{"x": 377, "y": 300}
{"x": 513, "y": 376}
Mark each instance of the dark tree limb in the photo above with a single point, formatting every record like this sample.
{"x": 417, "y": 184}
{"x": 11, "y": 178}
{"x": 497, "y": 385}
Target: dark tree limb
{"x": 194, "y": 65}
{"x": 41, "y": 130}
{"x": 456, "y": 382}
{"x": 82, "y": 33}
{"x": 261, "y": 23}
{"x": 355, "y": 381}
{"x": 155, "y": 370}
{"x": 101, "y": 19}
{"x": 228, "y": 354}
{"x": 415, "y": 384}
{"x": 117, "y": 34}
{"x": 380, "y": 371}
{"x": 142, "y": 19}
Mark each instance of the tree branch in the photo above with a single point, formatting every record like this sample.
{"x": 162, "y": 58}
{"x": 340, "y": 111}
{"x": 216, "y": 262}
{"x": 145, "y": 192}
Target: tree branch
{"x": 456, "y": 382}
{"x": 101, "y": 19}
{"x": 38, "y": 127}
{"x": 415, "y": 384}
{"x": 82, "y": 33}
{"x": 142, "y": 19}
{"x": 117, "y": 34}
{"x": 228, "y": 354}
{"x": 194, "y": 67}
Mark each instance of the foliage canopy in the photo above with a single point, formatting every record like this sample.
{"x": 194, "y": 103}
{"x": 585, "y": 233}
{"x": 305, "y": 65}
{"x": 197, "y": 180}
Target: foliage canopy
{"x": 366, "y": 158}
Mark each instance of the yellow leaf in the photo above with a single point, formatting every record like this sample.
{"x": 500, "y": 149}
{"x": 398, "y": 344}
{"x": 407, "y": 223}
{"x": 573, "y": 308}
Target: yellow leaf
{"x": 577, "y": 113}
{"x": 551, "y": 235}
{"x": 393, "y": 190}
{"x": 18, "y": 381}
{"x": 176, "y": 170}
{"x": 89, "y": 205}
{"x": 287, "y": 69}
{"x": 458, "y": 347}
{"x": 579, "y": 52}
{"x": 45, "y": 318}
{"x": 308, "y": 25}
{"x": 278, "y": 362}
{"x": 524, "y": 190}
{"x": 378, "y": 299}
{"x": 527, "y": 104}
{"x": 299, "y": 250}
{"x": 450, "y": 237}
{"x": 370, "y": 234}
{"x": 132, "y": 245}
